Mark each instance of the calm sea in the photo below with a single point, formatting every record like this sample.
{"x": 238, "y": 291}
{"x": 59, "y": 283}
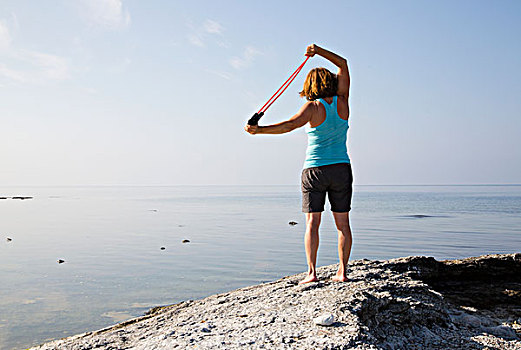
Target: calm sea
{"x": 111, "y": 238}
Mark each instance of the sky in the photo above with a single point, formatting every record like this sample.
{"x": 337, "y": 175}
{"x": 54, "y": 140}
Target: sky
{"x": 129, "y": 92}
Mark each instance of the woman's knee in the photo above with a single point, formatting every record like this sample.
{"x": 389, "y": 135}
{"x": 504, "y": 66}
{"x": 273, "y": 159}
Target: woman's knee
{"x": 313, "y": 220}
{"x": 341, "y": 220}
{"x": 345, "y": 233}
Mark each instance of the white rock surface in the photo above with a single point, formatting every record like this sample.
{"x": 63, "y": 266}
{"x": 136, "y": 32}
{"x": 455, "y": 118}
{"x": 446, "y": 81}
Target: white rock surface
{"x": 383, "y": 306}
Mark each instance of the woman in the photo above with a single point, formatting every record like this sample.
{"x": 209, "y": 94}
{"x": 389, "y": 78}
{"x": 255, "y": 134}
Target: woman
{"x": 327, "y": 168}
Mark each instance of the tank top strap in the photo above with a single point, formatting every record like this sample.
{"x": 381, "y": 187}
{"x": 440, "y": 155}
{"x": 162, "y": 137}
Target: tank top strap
{"x": 330, "y": 108}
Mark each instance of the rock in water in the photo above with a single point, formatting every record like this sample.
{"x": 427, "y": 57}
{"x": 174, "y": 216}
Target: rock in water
{"x": 186, "y": 241}
{"x": 9, "y": 239}
{"x": 292, "y": 223}
{"x": 60, "y": 261}
{"x": 324, "y": 320}
{"x": 163, "y": 248}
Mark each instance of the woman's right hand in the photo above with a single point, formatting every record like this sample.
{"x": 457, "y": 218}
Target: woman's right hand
{"x": 252, "y": 129}
{"x": 311, "y": 50}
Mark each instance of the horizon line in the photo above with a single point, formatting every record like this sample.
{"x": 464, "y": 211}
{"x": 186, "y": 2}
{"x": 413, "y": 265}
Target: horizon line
{"x": 255, "y": 185}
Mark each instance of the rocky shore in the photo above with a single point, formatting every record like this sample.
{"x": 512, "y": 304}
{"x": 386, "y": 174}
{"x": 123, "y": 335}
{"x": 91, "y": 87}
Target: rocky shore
{"x": 404, "y": 303}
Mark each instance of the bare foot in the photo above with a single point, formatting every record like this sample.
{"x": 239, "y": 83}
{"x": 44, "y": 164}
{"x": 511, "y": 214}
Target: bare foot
{"x": 339, "y": 278}
{"x": 308, "y": 279}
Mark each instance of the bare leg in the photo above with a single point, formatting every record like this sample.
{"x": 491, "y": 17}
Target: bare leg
{"x": 311, "y": 244}
{"x": 345, "y": 240}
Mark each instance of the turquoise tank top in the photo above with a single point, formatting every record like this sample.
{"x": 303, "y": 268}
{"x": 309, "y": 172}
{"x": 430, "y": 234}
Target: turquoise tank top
{"x": 327, "y": 142}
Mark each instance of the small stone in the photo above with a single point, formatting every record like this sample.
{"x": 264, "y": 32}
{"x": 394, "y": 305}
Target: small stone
{"x": 60, "y": 261}
{"x": 186, "y": 241}
{"x": 324, "y": 320}
{"x": 163, "y": 248}
{"x": 293, "y": 223}
{"x": 9, "y": 239}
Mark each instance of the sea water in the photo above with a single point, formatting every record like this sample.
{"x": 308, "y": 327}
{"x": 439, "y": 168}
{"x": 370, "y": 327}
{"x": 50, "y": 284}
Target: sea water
{"x": 111, "y": 240}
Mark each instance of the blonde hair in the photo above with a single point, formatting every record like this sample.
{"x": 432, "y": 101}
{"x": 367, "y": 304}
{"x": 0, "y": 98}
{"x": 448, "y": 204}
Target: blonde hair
{"x": 319, "y": 83}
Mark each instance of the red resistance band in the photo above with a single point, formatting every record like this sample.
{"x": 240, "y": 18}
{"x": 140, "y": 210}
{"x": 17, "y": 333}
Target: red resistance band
{"x": 254, "y": 120}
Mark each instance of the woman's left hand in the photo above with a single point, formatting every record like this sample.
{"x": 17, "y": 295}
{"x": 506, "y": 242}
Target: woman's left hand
{"x": 311, "y": 50}
{"x": 252, "y": 129}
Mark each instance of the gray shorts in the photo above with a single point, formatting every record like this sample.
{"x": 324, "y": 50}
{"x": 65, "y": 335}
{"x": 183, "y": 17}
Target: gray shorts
{"x": 335, "y": 179}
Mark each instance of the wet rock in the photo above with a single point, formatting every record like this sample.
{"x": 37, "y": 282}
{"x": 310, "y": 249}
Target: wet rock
{"x": 21, "y": 198}
{"x": 8, "y": 239}
{"x": 163, "y": 248}
{"x": 60, "y": 261}
{"x": 3, "y": 197}
{"x": 292, "y": 223}
{"x": 185, "y": 241}
{"x": 470, "y": 320}
{"x": 502, "y": 331}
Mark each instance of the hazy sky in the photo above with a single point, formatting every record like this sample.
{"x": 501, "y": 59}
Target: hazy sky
{"x": 158, "y": 92}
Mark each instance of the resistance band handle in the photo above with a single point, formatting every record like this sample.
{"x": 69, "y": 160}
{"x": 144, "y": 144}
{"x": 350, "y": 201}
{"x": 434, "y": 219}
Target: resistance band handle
{"x": 254, "y": 120}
